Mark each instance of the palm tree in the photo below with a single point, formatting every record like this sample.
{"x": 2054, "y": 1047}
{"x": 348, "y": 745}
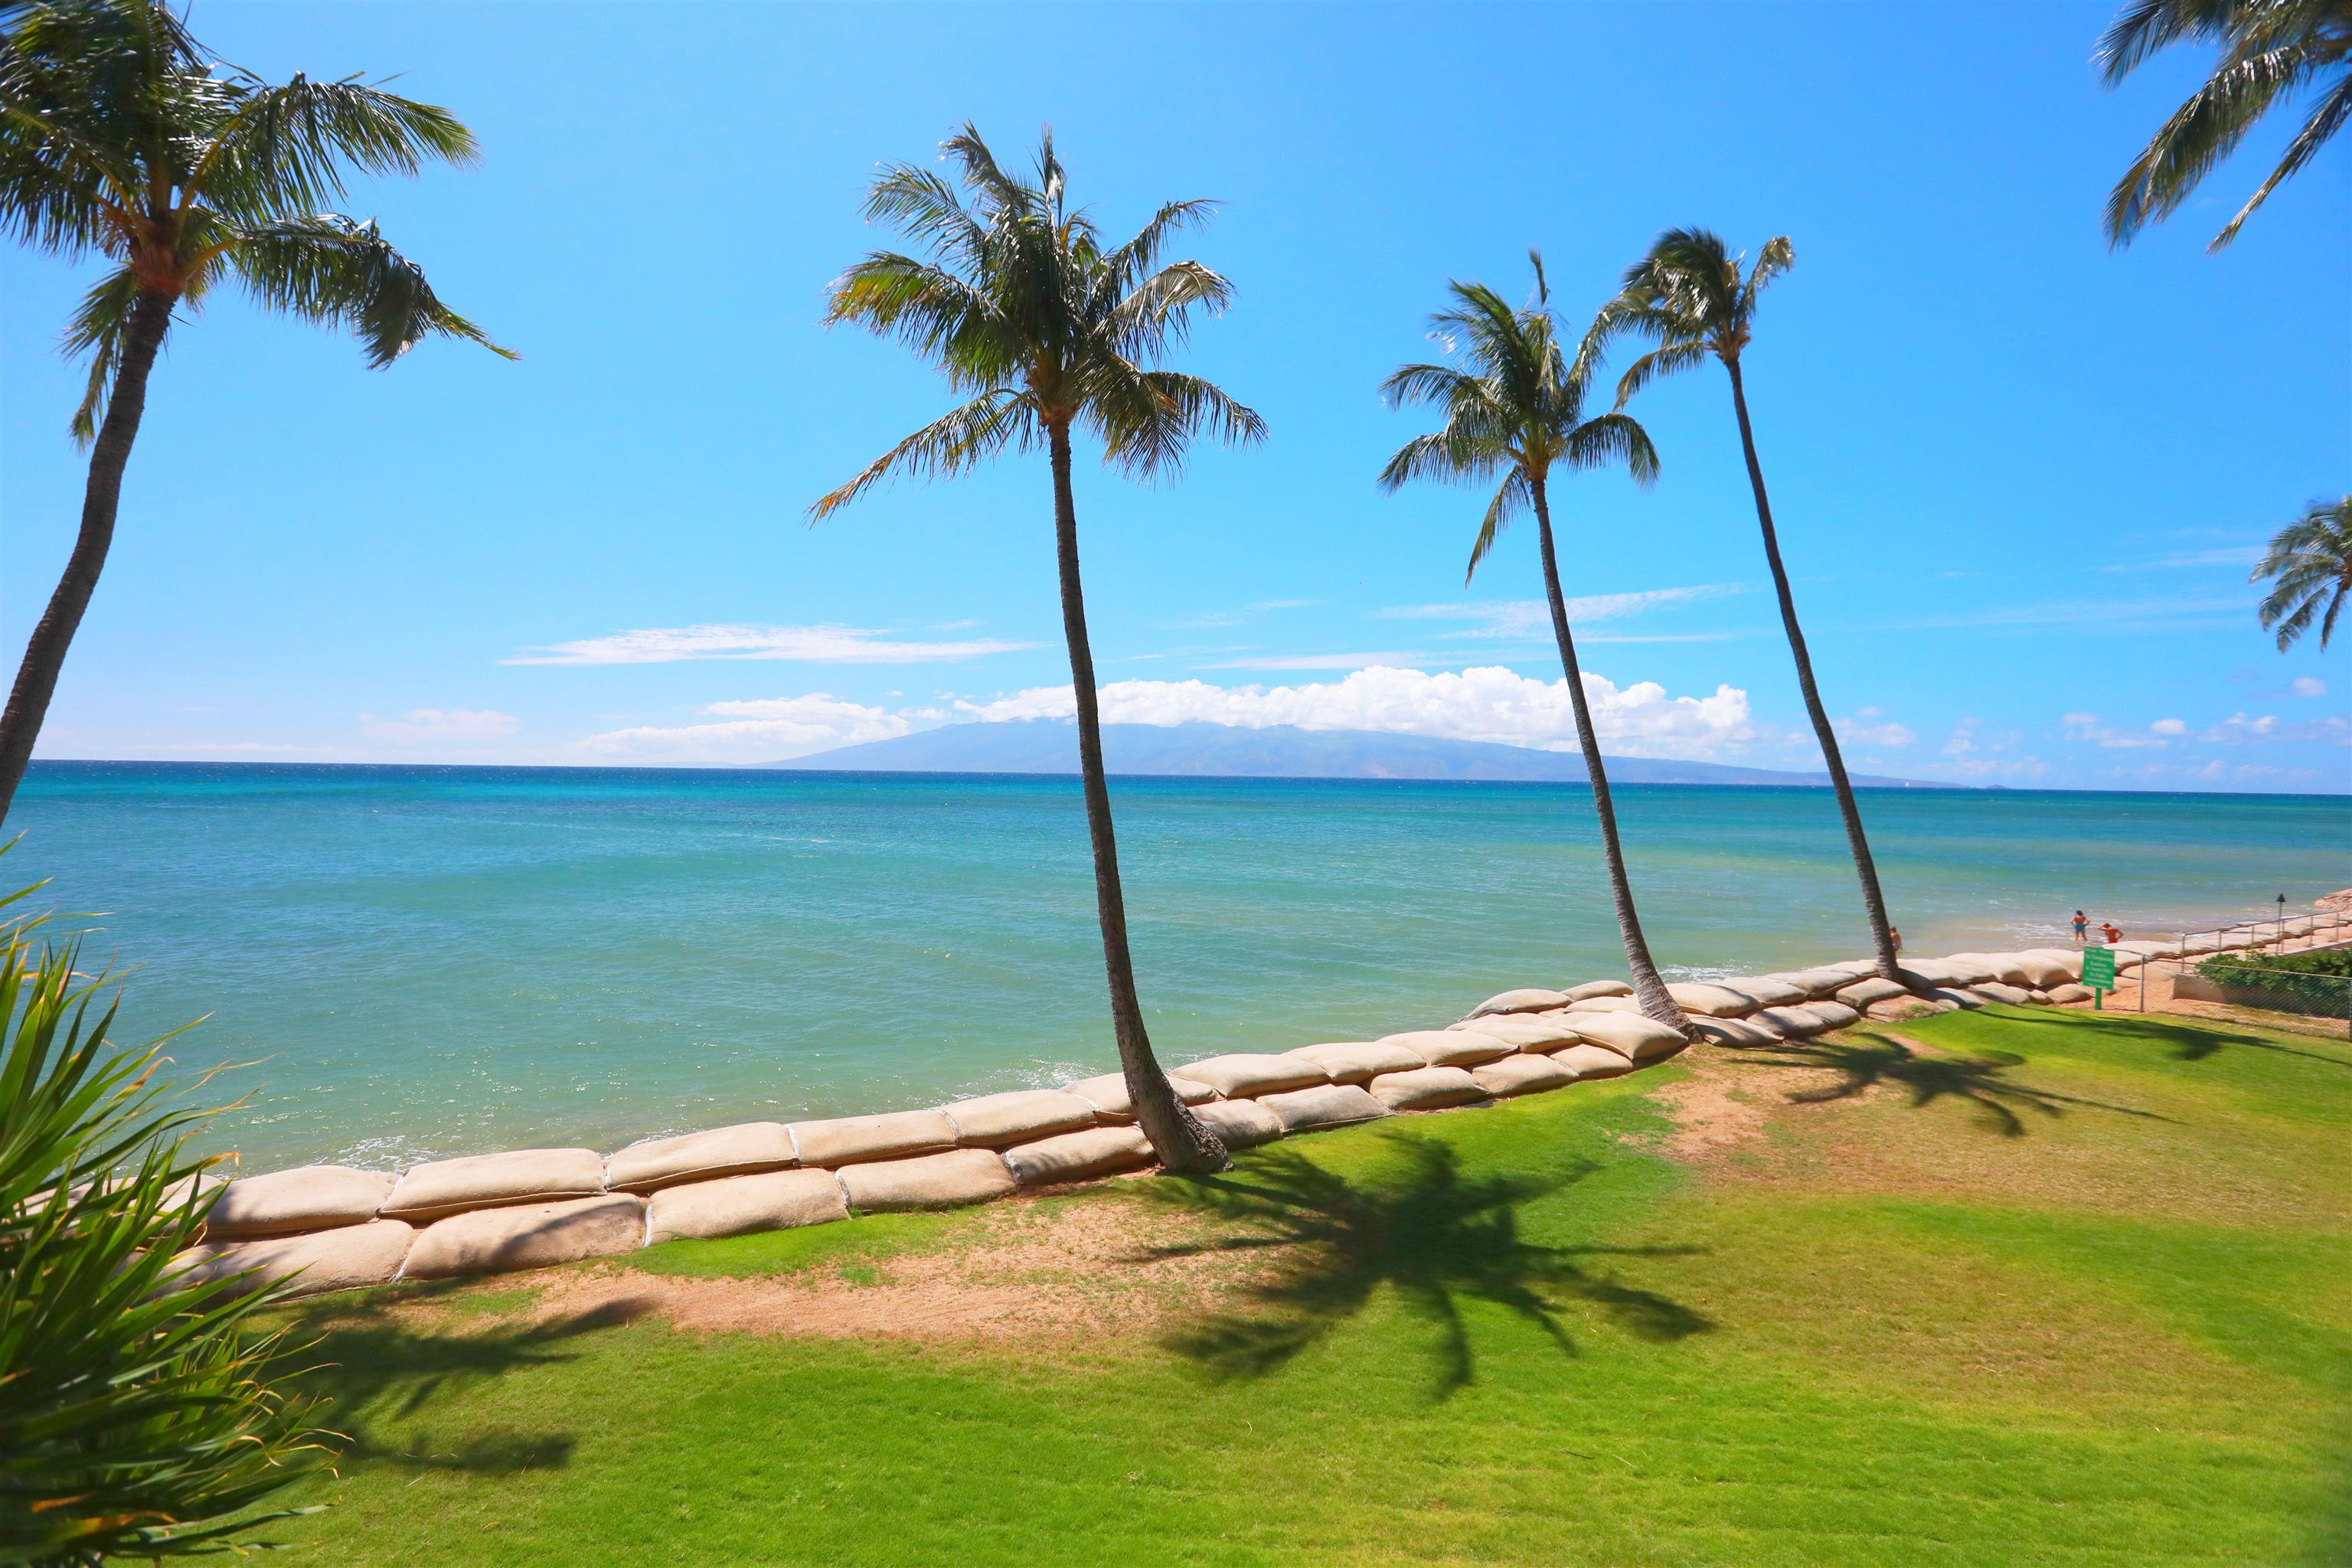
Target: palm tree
{"x": 122, "y": 137}
{"x": 2271, "y": 50}
{"x": 1514, "y": 407}
{"x": 2310, "y": 566}
{"x": 1686, "y": 297}
{"x": 1019, "y": 304}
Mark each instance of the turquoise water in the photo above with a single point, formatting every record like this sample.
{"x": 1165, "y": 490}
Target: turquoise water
{"x": 427, "y": 962}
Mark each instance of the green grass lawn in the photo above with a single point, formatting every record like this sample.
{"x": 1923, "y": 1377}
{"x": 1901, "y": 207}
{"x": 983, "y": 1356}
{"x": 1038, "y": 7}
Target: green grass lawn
{"x": 2046, "y": 1288}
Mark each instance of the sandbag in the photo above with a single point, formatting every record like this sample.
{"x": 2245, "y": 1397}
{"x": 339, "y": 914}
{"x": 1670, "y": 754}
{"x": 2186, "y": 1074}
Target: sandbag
{"x": 1074, "y": 1156}
{"x": 1959, "y": 997}
{"x": 1451, "y": 1047}
{"x": 533, "y": 1235}
{"x": 2067, "y": 995}
{"x": 1632, "y": 1035}
{"x": 1521, "y": 1074}
{"x": 1359, "y": 1061}
{"x": 2067, "y": 962}
{"x": 1794, "y": 1023}
{"x": 1332, "y": 1105}
{"x": 1592, "y": 989}
{"x": 1023, "y": 1116}
{"x": 1528, "y": 999}
{"x": 1907, "y": 1005}
{"x": 484, "y": 1180}
{"x": 1711, "y": 1000}
{"x": 2041, "y": 970}
{"x": 1108, "y": 1094}
{"x": 854, "y": 1139}
{"x": 1249, "y": 1076}
{"x": 1770, "y": 990}
{"x": 1995, "y": 991}
{"x": 701, "y": 1157}
{"x": 1820, "y": 984}
{"x": 1864, "y": 991}
{"x": 1531, "y": 1031}
{"x": 345, "y": 1258}
{"x": 1240, "y": 1123}
{"x": 1835, "y": 1015}
{"x": 739, "y": 1206}
{"x": 1425, "y": 1089}
{"x": 1930, "y": 973}
{"x": 1743, "y": 1033}
{"x": 285, "y": 1202}
{"x": 1615, "y": 1002}
{"x": 1592, "y": 1062}
{"x": 926, "y": 1182}
{"x": 2009, "y": 968}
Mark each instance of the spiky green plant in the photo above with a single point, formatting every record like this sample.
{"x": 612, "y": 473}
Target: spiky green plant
{"x": 2271, "y": 50}
{"x": 136, "y": 1419}
{"x": 1020, "y": 303}
{"x": 1688, "y": 299}
{"x": 1514, "y": 409}
{"x": 121, "y": 138}
{"x": 2309, "y": 565}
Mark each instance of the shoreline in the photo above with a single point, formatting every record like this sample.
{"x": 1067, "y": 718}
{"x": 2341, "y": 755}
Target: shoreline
{"x": 339, "y": 1228}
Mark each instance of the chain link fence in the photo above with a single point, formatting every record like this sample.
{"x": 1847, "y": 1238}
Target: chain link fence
{"x": 2270, "y": 989}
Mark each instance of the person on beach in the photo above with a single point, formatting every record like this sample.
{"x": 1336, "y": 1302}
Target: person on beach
{"x": 2112, "y": 931}
{"x": 1894, "y": 937}
{"x": 2082, "y": 928}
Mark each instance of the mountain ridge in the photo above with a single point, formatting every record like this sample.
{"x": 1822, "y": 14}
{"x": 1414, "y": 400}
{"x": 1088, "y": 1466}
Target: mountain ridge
{"x": 1280, "y": 750}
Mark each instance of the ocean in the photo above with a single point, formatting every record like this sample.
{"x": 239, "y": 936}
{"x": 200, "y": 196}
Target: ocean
{"x": 401, "y": 964}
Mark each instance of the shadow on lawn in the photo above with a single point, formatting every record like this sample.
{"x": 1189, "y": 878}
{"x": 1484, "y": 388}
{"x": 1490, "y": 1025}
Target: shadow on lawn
{"x": 373, "y": 1364}
{"x": 2195, "y": 1042}
{"x": 1419, "y": 1225}
{"x": 1868, "y": 1060}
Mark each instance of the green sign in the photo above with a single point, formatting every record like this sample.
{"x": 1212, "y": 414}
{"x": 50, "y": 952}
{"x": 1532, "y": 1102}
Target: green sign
{"x": 2099, "y": 968}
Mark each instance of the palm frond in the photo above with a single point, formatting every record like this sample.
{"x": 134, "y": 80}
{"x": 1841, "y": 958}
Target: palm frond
{"x": 954, "y": 443}
{"x": 2146, "y": 27}
{"x": 1609, "y": 440}
{"x": 96, "y": 329}
{"x": 1156, "y": 315}
{"x": 329, "y": 269}
{"x": 933, "y": 311}
{"x": 2309, "y": 563}
{"x": 1673, "y": 359}
{"x": 921, "y": 205}
{"x": 1514, "y": 496}
{"x": 1122, "y": 268}
{"x": 2327, "y": 118}
{"x": 2199, "y": 135}
{"x": 1146, "y": 419}
{"x": 1777, "y": 256}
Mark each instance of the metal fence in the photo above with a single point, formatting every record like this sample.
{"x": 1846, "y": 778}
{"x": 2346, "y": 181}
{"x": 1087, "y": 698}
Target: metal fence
{"x": 2271, "y": 990}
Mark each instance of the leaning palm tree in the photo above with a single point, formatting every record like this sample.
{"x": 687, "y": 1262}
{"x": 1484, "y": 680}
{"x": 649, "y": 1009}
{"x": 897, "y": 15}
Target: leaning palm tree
{"x": 1687, "y": 296}
{"x": 2271, "y": 50}
{"x": 120, "y": 137}
{"x": 2310, "y": 567}
{"x": 1019, "y": 304}
{"x": 1514, "y": 408}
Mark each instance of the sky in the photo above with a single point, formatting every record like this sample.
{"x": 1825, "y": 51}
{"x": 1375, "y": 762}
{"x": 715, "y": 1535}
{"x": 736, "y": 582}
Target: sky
{"x": 2020, "y": 478}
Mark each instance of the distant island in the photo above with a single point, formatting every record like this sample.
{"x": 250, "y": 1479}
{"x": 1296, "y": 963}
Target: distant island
{"x": 1279, "y": 751}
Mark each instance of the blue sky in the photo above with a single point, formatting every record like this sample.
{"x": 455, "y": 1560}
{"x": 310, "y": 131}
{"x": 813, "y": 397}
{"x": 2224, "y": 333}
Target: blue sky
{"x": 2020, "y": 478}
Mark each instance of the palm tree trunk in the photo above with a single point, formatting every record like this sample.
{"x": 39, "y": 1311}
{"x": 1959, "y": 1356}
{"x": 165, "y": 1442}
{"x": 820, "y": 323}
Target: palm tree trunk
{"x": 1177, "y": 1136}
{"x": 1873, "y": 902}
{"x": 45, "y": 653}
{"x": 1648, "y": 989}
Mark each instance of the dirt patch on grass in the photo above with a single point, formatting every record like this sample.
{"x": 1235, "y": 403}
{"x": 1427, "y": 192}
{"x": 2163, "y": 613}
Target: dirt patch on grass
{"x": 1027, "y": 1272}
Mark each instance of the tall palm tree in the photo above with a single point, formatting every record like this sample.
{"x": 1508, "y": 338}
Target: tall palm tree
{"x": 1514, "y": 408}
{"x": 122, "y": 137}
{"x": 1687, "y": 297}
{"x": 2310, "y": 567}
{"x": 1019, "y": 303}
{"x": 2271, "y": 50}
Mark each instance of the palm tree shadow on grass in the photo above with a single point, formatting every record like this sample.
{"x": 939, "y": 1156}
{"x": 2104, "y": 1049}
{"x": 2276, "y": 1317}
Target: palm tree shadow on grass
{"x": 1868, "y": 1060}
{"x": 2194, "y": 1043}
{"x": 1419, "y": 1225}
{"x": 375, "y": 1363}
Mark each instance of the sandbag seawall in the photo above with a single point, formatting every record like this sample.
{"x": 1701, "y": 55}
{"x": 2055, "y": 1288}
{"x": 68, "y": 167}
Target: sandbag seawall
{"x": 331, "y": 1227}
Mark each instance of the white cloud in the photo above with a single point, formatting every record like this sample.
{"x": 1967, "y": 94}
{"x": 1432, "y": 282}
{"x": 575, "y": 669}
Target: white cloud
{"x": 453, "y": 726}
{"x": 2162, "y": 613}
{"x": 2239, "y": 556}
{"x": 1865, "y": 728}
{"x": 768, "y": 729}
{"x": 2169, "y": 727}
{"x": 1506, "y": 618}
{"x": 1480, "y": 704}
{"x": 2086, "y": 727}
{"x": 1324, "y": 661}
{"x": 2308, "y": 686}
{"x": 810, "y": 645}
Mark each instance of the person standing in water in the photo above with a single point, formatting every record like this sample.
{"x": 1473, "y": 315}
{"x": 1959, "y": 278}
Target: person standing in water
{"x": 2082, "y": 928}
